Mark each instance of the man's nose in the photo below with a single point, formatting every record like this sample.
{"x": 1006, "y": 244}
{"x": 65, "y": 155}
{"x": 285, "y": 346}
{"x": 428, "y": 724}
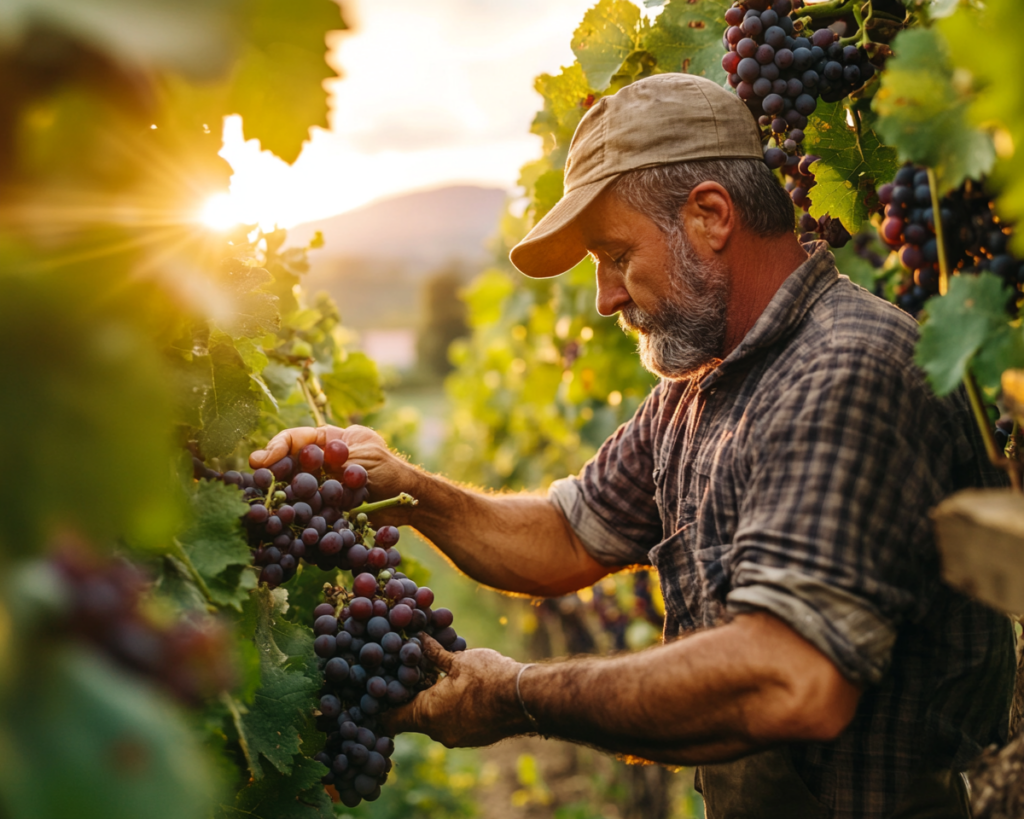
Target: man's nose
{"x": 612, "y": 295}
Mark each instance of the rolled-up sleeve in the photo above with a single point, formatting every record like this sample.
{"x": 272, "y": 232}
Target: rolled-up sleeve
{"x": 611, "y": 504}
{"x": 832, "y": 537}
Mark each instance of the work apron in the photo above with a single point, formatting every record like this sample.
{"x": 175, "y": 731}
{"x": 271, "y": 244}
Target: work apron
{"x": 767, "y": 786}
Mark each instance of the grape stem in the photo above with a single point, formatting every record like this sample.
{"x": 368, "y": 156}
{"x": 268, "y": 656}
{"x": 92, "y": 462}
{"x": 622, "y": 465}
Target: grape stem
{"x": 940, "y": 239}
{"x": 981, "y": 417}
{"x": 834, "y": 8}
{"x": 182, "y": 555}
{"x": 402, "y": 499}
{"x": 318, "y": 417}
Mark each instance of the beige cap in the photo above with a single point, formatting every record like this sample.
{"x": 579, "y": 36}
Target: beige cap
{"x": 654, "y": 121}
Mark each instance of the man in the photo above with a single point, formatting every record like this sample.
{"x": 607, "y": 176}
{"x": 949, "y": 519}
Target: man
{"x": 778, "y": 477}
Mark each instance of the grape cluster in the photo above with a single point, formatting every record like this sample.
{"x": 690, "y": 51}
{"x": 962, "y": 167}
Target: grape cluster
{"x": 975, "y": 239}
{"x": 296, "y": 511}
{"x": 189, "y": 658}
{"x": 780, "y": 73}
{"x": 371, "y": 655}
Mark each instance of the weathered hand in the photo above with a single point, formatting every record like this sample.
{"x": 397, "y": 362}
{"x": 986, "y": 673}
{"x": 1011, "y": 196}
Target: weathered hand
{"x": 474, "y": 705}
{"x": 388, "y": 473}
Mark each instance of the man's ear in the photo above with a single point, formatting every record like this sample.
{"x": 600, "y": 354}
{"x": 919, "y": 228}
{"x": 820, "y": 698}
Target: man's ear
{"x": 709, "y": 217}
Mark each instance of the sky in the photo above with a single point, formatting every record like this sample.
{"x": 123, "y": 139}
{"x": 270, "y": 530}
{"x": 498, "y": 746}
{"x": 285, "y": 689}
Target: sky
{"x": 434, "y": 92}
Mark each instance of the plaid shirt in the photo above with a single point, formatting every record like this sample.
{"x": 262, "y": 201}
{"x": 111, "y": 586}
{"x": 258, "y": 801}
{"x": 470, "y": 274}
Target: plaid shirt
{"x": 796, "y": 478}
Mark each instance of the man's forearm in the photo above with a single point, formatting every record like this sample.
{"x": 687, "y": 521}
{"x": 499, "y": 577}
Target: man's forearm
{"x": 517, "y": 543}
{"x": 712, "y": 697}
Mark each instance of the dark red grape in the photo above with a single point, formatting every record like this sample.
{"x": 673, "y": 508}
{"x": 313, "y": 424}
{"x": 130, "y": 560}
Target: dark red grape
{"x": 354, "y": 476}
{"x": 335, "y": 454}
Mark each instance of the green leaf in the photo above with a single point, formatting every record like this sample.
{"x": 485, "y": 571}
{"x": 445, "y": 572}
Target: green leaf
{"x": 972, "y": 315}
{"x": 853, "y": 163}
{"x": 606, "y": 37}
{"x": 278, "y": 84}
{"x": 567, "y": 96}
{"x": 214, "y": 541}
{"x": 107, "y": 733}
{"x": 998, "y": 103}
{"x": 300, "y": 795}
{"x": 353, "y": 386}
{"x": 269, "y": 726}
{"x": 923, "y": 114}
{"x": 249, "y": 311}
{"x": 687, "y": 37}
{"x": 547, "y": 191}
{"x": 231, "y": 408}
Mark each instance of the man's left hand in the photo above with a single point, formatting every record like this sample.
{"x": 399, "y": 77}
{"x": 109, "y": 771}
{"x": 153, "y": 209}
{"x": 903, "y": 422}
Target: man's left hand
{"x": 474, "y": 705}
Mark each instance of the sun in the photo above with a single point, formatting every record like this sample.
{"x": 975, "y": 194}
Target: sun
{"x": 219, "y": 212}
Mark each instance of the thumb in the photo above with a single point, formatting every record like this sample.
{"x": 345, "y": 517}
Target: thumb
{"x": 398, "y": 720}
{"x": 436, "y": 654}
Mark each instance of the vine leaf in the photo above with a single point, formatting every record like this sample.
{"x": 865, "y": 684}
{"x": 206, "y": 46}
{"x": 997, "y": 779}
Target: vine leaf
{"x": 850, "y": 168}
{"x": 604, "y": 40}
{"x": 566, "y": 97}
{"x": 353, "y": 386}
{"x": 999, "y": 89}
{"x": 231, "y": 408}
{"x": 249, "y": 312}
{"x": 269, "y": 726}
{"x": 923, "y": 114}
{"x": 968, "y": 327}
{"x": 213, "y": 541}
{"x": 687, "y": 37}
{"x": 297, "y": 796}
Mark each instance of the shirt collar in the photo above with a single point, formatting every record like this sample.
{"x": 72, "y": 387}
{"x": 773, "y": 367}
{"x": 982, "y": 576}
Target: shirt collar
{"x": 786, "y": 310}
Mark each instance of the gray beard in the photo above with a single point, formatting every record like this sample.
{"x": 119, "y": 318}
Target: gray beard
{"x": 688, "y": 331}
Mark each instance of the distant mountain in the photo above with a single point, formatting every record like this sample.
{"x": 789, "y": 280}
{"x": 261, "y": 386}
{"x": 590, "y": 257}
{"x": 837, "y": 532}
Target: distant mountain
{"x": 422, "y": 229}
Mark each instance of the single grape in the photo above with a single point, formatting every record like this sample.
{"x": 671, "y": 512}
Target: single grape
{"x": 322, "y": 609}
{"x": 371, "y": 655}
{"x": 330, "y": 705}
{"x": 376, "y": 687}
{"x": 377, "y": 627}
{"x": 263, "y": 478}
{"x": 365, "y": 585}
{"x": 257, "y": 513}
{"x": 410, "y": 654}
{"x": 311, "y": 458}
{"x": 325, "y": 624}
{"x": 354, "y": 476}
{"x": 392, "y": 641}
{"x": 304, "y": 486}
{"x": 401, "y": 616}
{"x": 272, "y": 575}
{"x": 441, "y": 618}
{"x": 325, "y": 645}
{"x": 336, "y": 670}
{"x": 282, "y": 470}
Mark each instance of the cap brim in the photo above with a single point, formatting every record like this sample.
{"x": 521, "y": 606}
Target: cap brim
{"x": 556, "y": 244}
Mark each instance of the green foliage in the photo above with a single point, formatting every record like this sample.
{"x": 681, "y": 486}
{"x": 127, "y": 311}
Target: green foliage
{"x": 853, "y": 163}
{"x": 998, "y": 100}
{"x": 609, "y": 34}
{"x": 687, "y": 37}
{"x": 968, "y": 327}
{"x": 277, "y": 84}
{"x": 56, "y": 411}
{"x": 122, "y": 751}
{"x": 923, "y": 112}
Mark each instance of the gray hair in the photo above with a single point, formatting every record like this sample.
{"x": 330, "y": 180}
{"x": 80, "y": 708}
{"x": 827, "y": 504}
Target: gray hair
{"x": 761, "y": 203}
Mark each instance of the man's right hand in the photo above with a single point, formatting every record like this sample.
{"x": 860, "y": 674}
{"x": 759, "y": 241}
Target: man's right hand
{"x": 389, "y": 474}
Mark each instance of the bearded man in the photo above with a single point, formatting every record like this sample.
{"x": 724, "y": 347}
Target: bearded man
{"x": 778, "y": 477}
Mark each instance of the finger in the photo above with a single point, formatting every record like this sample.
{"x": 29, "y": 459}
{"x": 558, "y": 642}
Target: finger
{"x": 437, "y": 655}
{"x": 284, "y": 443}
{"x": 399, "y": 720}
